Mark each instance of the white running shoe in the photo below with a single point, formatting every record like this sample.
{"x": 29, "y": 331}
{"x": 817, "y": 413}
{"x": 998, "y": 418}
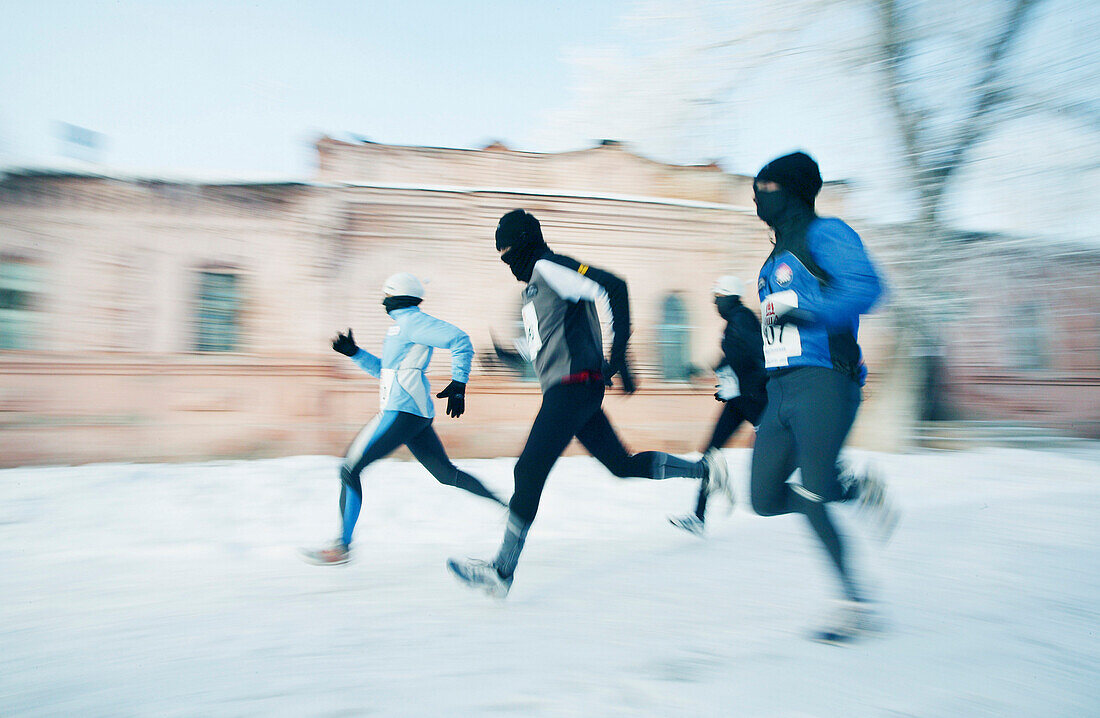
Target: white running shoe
{"x": 481, "y": 575}
{"x": 851, "y": 621}
{"x": 718, "y": 475}
{"x": 688, "y": 522}
{"x": 872, "y": 503}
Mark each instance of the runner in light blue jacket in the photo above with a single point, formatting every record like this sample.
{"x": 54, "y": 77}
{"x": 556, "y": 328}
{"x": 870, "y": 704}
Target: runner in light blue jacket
{"x": 405, "y": 404}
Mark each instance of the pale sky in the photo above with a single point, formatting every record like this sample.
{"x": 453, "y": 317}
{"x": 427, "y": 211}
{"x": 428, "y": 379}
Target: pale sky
{"x": 242, "y": 88}
{"x": 215, "y": 90}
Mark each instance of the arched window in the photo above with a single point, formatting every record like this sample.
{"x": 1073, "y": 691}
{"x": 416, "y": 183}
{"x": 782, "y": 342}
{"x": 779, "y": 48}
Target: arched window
{"x": 218, "y": 312}
{"x": 674, "y": 340}
{"x": 20, "y": 290}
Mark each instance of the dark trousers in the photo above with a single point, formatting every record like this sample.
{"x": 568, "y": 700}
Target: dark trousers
{"x": 809, "y": 413}
{"x": 735, "y": 411}
{"x": 574, "y": 410}
{"x": 567, "y": 411}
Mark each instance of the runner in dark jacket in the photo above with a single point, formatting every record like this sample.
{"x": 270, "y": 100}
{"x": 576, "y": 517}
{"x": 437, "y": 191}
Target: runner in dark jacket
{"x": 741, "y": 380}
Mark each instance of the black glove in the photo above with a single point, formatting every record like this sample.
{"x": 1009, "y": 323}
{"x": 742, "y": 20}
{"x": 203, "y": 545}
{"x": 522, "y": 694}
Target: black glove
{"x": 455, "y": 392}
{"x": 620, "y": 367}
{"x": 345, "y": 344}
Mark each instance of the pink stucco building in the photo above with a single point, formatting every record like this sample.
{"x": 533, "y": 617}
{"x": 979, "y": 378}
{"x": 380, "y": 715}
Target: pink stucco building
{"x": 145, "y": 320}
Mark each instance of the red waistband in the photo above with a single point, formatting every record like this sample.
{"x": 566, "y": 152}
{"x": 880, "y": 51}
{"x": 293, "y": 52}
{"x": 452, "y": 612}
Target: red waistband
{"x": 582, "y": 377}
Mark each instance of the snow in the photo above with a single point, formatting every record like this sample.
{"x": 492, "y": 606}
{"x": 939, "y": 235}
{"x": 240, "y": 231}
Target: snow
{"x": 174, "y": 590}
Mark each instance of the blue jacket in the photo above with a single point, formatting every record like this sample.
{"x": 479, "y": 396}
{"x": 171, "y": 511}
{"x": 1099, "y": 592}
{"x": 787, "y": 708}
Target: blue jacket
{"x": 405, "y": 356}
{"x": 831, "y": 281}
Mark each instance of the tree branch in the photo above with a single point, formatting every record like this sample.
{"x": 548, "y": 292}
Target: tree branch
{"x": 988, "y": 92}
{"x": 1086, "y": 113}
{"x": 893, "y": 52}
{"x": 932, "y": 164}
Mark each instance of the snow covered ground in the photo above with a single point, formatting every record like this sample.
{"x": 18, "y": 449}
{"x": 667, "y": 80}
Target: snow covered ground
{"x": 174, "y": 590}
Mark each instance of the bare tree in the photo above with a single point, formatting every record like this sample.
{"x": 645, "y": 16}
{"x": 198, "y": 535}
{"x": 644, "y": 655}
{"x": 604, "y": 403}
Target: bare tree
{"x": 933, "y": 156}
{"x": 944, "y": 77}
{"x": 942, "y": 110}
{"x": 940, "y": 122}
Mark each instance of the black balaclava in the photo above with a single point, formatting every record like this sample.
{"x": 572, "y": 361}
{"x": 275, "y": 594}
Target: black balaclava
{"x": 519, "y": 232}
{"x": 400, "y": 302}
{"x": 790, "y": 209}
{"x": 727, "y": 304}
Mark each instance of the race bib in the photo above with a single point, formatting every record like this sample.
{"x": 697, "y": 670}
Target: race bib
{"x": 781, "y": 342}
{"x": 531, "y": 329}
{"x": 385, "y": 383}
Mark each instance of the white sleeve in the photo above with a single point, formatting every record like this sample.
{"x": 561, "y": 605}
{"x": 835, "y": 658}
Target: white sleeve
{"x": 573, "y": 286}
{"x": 569, "y": 283}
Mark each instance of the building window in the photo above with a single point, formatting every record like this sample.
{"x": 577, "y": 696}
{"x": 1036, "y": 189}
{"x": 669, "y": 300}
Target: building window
{"x": 20, "y": 288}
{"x": 1029, "y": 340}
{"x": 217, "y": 326}
{"x": 674, "y": 340}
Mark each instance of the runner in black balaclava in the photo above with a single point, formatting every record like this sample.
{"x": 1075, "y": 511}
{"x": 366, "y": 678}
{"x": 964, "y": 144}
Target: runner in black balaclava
{"x": 790, "y": 209}
{"x": 519, "y": 239}
{"x": 813, "y": 288}
{"x": 563, "y": 339}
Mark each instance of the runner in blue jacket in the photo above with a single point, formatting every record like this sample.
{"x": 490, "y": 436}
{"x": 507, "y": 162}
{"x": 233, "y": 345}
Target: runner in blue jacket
{"x": 813, "y": 287}
{"x": 405, "y": 404}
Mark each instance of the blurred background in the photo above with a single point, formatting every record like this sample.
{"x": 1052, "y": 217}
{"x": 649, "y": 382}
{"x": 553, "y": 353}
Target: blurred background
{"x": 196, "y": 196}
